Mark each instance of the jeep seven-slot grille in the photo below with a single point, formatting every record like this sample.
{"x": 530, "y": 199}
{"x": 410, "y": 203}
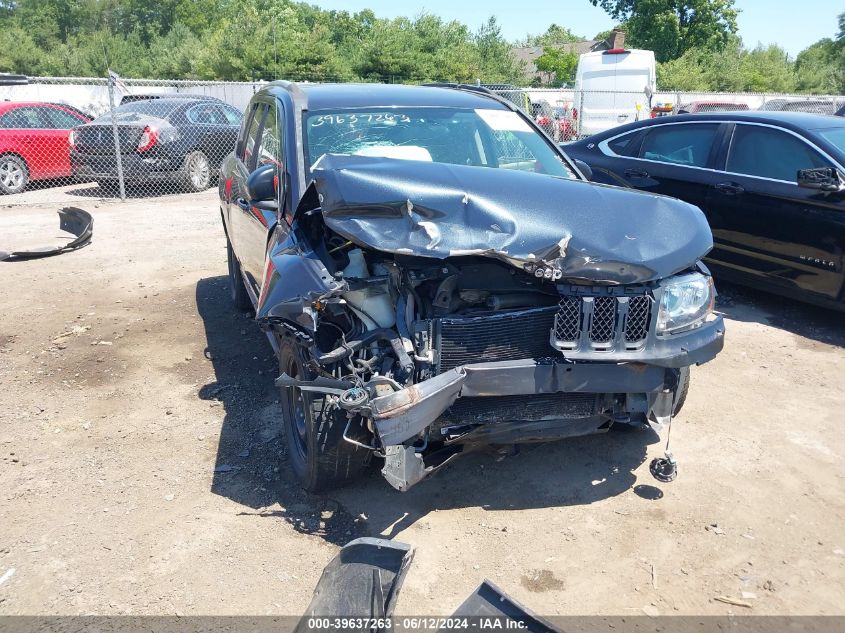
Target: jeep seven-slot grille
{"x": 602, "y": 316}
{"x": 600, "y": 323}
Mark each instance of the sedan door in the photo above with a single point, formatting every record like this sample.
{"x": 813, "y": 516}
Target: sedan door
{"x": 23, "y": 134}
{"x": 674, "y": 159}
{"x": 767, "y": 228}
{"x": 214, "y": 133}
{"x": 57, "y": 123}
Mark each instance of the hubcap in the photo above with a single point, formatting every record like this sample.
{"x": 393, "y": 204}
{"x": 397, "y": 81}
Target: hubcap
{"x": 198, "y": 170}
{"x": 11, "y": 174}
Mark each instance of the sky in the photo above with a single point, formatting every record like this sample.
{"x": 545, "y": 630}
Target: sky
{"x": 766, "y": 21}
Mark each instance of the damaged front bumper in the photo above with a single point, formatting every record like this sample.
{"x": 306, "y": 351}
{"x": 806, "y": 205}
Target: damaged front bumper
{"x": 646, "y": 384}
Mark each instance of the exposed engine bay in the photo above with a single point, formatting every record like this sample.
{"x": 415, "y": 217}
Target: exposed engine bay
{"x": 422, "y": 350}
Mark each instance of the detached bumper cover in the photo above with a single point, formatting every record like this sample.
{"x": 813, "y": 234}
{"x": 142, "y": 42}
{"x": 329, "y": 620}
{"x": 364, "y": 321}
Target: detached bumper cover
{"x": 362, "y": 582}
{"x": 75, "y": 221}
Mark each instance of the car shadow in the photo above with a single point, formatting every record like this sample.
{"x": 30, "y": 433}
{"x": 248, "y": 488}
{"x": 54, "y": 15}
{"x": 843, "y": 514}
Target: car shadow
{"x": 742, "y": 303}
{"x": 153, "y": 190}
{"x": 251, "y": 465}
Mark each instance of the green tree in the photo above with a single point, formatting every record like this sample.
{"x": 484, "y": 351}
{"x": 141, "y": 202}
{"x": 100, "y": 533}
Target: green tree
{"x": 732, "y": 69}
{"x": 820, "y": 68}
{"x": 496, "y": 62}
{"x": 672, "y": 27}
{"x": 558, "y": 65}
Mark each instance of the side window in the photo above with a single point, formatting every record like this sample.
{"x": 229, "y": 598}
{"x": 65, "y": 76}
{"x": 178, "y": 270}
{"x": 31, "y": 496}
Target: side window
{"x": 233, "y": 116}
{"x": 684, "y": 144}
{"x": 252, "y": 129}
{"x": 205, "y": 114}
{"x": 270, "y": 148}
{"x": 769, "y": 153}
{"x": 22, "y": 118}
{"x": 622, "y": 145}
{"x": 59, "y": 119}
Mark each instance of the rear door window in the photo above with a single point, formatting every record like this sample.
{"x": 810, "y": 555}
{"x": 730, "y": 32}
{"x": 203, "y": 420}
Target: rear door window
{"x": 624, "y": 145}
{"x": 681, "y": 144}
{"x": 58, "y": 119}
{"x": 206, "y": 114}
{"x": 769, "y": 153}
{"x": 233, "y": 116}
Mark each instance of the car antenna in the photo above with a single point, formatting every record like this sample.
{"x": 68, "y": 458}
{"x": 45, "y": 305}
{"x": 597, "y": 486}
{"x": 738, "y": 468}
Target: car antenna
{"x": 665, "y": 468}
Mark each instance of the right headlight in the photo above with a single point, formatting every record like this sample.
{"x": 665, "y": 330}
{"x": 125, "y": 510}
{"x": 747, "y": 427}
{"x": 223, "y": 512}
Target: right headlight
{"x": 685, "y": 303}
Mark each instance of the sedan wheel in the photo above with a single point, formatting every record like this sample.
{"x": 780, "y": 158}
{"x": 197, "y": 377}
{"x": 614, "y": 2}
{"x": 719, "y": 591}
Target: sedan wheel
{"x": 198, "y": 171}
{"x": 13, "y": 174}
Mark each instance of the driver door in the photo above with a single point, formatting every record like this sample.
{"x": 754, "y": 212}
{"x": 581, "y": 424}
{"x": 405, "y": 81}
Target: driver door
{"x": 262, "y": 145}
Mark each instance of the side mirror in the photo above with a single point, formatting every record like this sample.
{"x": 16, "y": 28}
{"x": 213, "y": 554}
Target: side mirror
{"x": 584, "y": 168}
{"x": 821, "y": 179}
{"x": 262, "y": 187}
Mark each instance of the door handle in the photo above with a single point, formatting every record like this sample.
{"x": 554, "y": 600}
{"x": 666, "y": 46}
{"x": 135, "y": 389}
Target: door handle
{"x": 730, "y": 189}
{"x": 636, "y": 173}
{"x": 243, "y": 204}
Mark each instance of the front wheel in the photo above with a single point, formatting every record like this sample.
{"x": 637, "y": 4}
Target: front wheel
{"x": 14, "y": 174}
{"x": 319, "y": 456}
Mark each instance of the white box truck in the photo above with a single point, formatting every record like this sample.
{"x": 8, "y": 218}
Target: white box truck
{"x": 613, "y": 87}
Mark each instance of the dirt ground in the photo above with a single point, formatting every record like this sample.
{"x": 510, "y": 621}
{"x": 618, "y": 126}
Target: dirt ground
{"x": 143, "y": 469}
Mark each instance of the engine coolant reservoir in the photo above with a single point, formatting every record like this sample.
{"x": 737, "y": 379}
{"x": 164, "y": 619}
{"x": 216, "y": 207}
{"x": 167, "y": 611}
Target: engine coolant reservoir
{"x": 372, "y": 303}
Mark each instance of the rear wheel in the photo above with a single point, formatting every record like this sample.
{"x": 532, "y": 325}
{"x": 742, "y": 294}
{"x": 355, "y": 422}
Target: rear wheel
{"x": 14, "y": 174}
{"x": 237, "y": 290}
{"x": 319, "y": 456}
{"x": 197, "y": 172}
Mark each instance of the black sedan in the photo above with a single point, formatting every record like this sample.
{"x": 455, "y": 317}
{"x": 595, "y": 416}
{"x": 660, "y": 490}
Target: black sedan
{"x": 180, "y": 141}
{"x": 772, "y": 185}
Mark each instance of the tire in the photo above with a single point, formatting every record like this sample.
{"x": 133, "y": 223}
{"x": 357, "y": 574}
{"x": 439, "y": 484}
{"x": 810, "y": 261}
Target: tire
{"x": 14, "y": 174}
{"x": 683, "y": 390}
{"x": 197, "y": 172}
{"x": 237, "y": 290}
{"x": 319, "y": 456}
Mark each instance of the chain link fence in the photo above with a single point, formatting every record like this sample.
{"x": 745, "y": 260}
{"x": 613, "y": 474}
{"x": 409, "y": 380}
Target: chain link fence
{"x": 101, "y": 138}
{"x": 62, "y": 138}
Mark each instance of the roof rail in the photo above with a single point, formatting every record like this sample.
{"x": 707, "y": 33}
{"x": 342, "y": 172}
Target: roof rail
{"x": 473, "y": 88}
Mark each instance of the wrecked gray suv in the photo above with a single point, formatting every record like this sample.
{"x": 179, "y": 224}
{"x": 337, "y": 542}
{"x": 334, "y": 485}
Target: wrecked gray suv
{"x": 436, "y": 275}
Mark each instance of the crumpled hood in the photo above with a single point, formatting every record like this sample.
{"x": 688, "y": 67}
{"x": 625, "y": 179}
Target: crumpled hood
{"x": 587, "y": 231}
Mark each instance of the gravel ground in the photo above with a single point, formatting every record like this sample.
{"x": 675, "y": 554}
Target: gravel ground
{"x": 143, "y": 469}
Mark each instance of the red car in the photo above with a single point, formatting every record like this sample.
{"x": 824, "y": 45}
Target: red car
{"x": 34, "y": 142}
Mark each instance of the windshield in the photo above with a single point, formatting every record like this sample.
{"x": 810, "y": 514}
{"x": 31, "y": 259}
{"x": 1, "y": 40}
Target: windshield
{"x": 480, "y": 137}
{"x": 835, "y": 136}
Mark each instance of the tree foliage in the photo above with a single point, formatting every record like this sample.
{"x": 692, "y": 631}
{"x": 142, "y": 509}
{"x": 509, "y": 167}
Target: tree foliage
{"x": 732, "y": 69}
{"x": 558, "y": 65}
{"x": 672, "y": 27}
{"x": 242, "y": 40}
